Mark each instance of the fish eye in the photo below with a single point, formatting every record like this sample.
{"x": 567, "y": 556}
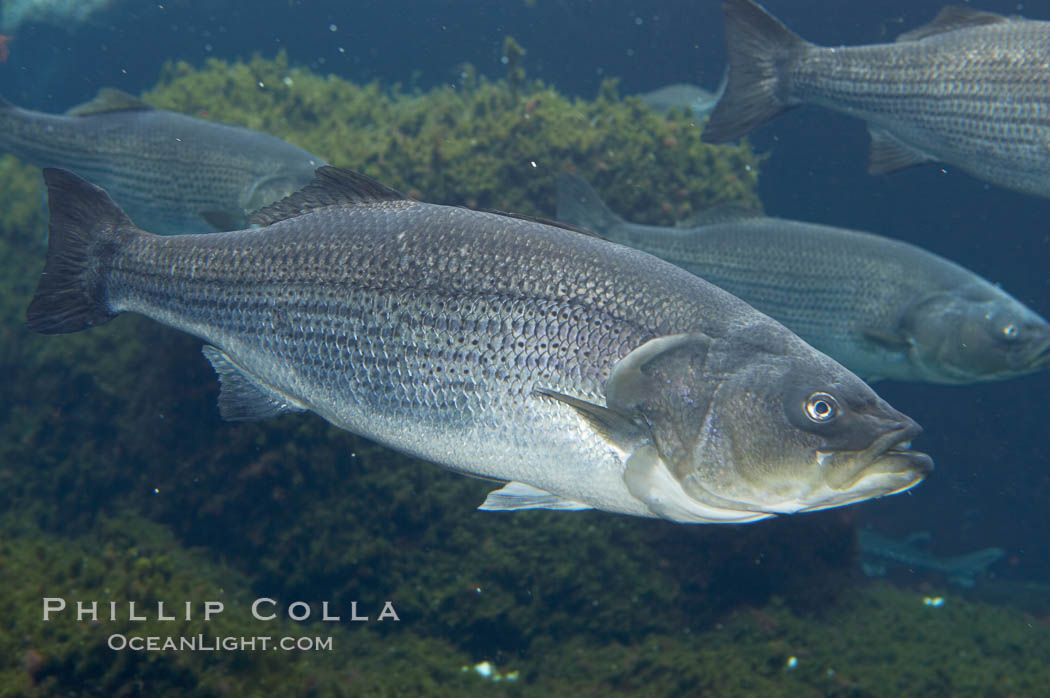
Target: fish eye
{"x": 1010, "y": 332}
{"x": 821, "y": 408}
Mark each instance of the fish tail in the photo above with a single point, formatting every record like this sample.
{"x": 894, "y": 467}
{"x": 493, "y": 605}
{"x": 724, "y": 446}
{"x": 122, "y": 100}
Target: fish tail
{"x": 973, "y": 563}
{"x": 85, "y": 231}
{"x": 7, "y": 118}
{"x": 579, "y": 204}
{"x": 759, "y": 47}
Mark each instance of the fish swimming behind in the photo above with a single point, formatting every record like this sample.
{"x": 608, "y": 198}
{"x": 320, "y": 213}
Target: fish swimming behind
{"x": 583, "y": 373}
{"x": 683, "y": 96}
{"x": 883, "y": 308}
{"x": 170, "y": 172}
{"x": 878, "y": 552}
{"x": 970, "y": 88}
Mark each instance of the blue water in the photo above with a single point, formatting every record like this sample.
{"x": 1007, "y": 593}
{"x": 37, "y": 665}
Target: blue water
{"x": 992, "y": 482}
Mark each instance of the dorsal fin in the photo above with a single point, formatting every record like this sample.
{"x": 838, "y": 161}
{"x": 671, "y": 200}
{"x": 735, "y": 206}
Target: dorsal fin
{"x": 951, "y": 19}
{"x": 720, "y": 213}
{"x": 332, "y": 186}
{"x": 109, "y": 99}
{"x": 543, "y": 221}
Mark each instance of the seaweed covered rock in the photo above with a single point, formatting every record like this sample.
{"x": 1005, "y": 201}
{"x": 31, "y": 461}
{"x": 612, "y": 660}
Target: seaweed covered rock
{"x": 482, "y": 144}
{"x": 53, "y": 646}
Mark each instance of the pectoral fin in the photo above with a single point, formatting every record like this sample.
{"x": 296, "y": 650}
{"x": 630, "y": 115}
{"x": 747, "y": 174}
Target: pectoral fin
{"x": 515, "y": 496}
{"x": 888, "y": 340}
{"x": 243, "y": 397}
{"x": 614, "y": 427}
{"x": 649, "y": 481}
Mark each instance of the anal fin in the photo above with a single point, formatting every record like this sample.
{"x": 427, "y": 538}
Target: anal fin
{"x": 515, "y": 496}
{"x": 243, "y": 397}
{"x": 223, "y": 220}
{"x": 889, "y": 154}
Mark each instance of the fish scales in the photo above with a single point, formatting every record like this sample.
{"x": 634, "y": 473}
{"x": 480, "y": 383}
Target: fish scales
{"x": 402, "y": 313}
{"x": 169, "y": 171}
{"x": 586, "y": 374}
{"x": 822, "y": 282}
{"x": 971, "y": 89}
{"x": 883, "y": 307}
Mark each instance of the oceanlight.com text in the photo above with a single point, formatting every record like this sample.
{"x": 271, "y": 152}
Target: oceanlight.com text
{"x": 203, "y": 643}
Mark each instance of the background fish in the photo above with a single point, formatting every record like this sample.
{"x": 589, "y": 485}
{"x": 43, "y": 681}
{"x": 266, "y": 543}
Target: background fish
{"x": 879, "y": 551}
{"x": 170, "y": 172}
{"x": 970, "y": 88}
{"x": 584, "y": 373}
{"x": 884, "y": 308}
{"x": 683, "y": 95}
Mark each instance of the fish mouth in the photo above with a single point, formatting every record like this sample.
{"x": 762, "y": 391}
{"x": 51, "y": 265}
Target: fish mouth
{"x": 888, "y": 466}
{"x": 1039, "y": 356}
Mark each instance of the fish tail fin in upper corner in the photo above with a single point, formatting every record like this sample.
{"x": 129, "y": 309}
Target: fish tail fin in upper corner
{"x": 579, "y": 204}
{"x": 759, "y": 46}
{"x": 86, "y": 229}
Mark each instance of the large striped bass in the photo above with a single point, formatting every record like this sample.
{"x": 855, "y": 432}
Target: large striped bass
{"x": 170, "y": 172}
{"x": 970, "y": 88}
{"x": 586, "y": 374}
{"x": 884, "y": 308}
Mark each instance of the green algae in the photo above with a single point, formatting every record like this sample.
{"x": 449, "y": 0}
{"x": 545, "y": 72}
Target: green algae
{"x": 876, "y": 641}
{"x": 132, "y": 559}
{"x": 482, "y": 144}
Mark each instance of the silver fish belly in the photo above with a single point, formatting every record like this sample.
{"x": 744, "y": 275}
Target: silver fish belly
{"x": 170, "y": 172}
{"x": 970, "y": 89}
{"x": 578, "y": 370}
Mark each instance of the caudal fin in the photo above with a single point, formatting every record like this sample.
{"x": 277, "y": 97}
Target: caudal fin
{"x": 963, "y": 569}
{"x": 759, "y": 46}
{"x": 85, "y": 230}
{"x": 579, "y": 204}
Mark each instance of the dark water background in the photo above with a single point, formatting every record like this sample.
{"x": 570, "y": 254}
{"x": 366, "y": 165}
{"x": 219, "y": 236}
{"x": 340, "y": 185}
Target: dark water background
{"x": 992, "y": 483}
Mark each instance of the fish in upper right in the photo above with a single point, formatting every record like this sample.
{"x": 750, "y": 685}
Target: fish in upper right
{"x": 170, "y": 172}
{"x": 882, "y": 307}
{"x": 970, "y": 88}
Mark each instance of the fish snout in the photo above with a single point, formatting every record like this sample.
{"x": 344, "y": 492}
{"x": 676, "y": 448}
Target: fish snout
{"x": 1037, "y": 356}
{"x": 897, "y": 456}
{"x": 888, "y": 460}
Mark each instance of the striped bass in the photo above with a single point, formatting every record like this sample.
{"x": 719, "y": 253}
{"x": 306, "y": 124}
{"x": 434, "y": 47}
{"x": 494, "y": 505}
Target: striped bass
{"x": 170, "y": 172}
{"x": 882, "y": 307}
{"x": 970, "y": 88}
{"x": 583, "y": 373}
